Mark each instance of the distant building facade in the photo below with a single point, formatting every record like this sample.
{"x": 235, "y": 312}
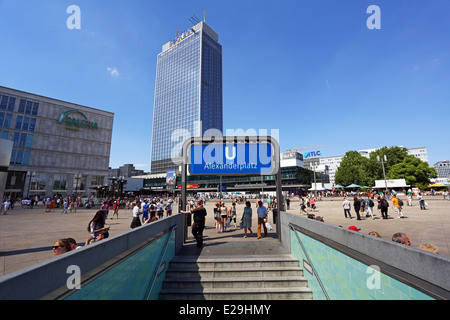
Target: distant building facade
{"x": 334, "y": 162}
{"x": 443, "y": 169}
{"x": 59, "y": 148}
{"x": 126, "y": 171}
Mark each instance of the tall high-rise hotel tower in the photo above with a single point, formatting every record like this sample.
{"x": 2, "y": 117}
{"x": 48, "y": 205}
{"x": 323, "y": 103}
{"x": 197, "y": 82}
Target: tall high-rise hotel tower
{"x": 188, "y": 93}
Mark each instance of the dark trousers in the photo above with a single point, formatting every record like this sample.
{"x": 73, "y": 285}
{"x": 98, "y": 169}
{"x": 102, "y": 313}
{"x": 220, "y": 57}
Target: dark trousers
{"x": 135, "y": 223}
{"x": 357, "y": 213}
{"x": 197, "y": 232}
{"x": 384, "y": 212}
{"x": 347, "y": 211}
{"x": 422, "y": 204}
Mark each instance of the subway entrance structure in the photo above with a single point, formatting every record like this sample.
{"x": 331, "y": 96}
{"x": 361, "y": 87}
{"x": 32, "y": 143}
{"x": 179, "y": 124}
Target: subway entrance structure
{"x": 231, "y": 156}
{"x": 337, "y": 263}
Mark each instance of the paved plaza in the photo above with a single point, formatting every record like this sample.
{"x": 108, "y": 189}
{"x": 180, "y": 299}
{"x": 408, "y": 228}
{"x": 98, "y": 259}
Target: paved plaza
{"x": 27, "y": 235}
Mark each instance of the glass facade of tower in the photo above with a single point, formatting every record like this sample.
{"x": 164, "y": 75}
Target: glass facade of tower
{"x": 188, "y": 94}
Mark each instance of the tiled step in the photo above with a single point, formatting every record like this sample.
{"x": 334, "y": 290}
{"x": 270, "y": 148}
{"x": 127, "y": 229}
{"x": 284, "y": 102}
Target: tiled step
{"x": 235, "y": 277}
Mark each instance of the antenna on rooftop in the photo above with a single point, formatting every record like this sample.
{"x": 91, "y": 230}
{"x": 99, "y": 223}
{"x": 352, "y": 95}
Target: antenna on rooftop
{"x": 194, "y": 20}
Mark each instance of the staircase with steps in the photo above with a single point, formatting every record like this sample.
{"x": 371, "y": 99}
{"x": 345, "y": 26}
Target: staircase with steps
{"x": 275, "y": 277}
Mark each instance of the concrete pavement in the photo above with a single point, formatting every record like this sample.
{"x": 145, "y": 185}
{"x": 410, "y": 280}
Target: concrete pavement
{"x": 27, "y": 235}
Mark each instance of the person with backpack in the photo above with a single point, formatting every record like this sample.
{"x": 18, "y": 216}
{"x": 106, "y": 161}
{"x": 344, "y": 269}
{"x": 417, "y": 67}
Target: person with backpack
{"x": 384, "y": 206}
{"x": 369, "y": 205}
{"x": 397, "y": 207}
{"x": 363, "y": 204}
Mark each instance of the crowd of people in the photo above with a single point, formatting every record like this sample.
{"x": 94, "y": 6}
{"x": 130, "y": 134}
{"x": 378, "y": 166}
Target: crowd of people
{"x": 149, "y": 209}
{"x": 144, "y": 211}
{"x": 365, "y": 204}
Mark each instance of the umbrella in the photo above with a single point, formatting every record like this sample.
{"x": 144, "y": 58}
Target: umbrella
{"x": 338, "y": 186}
{"x": 436, "y": 185}
{"x": 353, "y": 186}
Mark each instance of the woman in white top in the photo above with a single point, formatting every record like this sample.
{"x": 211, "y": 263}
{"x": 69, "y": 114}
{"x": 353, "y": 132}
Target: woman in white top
{"x": 136, "y": 222}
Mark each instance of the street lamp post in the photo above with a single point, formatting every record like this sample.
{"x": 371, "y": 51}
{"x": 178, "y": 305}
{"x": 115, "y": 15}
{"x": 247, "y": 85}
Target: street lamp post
{"x": 77, "y": 178}
{"x": 383, "y": 161}
{"x": 31, "y": 175}
{"x": 121, "y": 182}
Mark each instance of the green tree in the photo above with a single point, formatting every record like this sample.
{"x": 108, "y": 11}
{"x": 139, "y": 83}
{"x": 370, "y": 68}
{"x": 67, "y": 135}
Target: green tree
{"x": 353, "y": 169}
{"x": 394, "y": 156}
{"x": 416, "y": 172}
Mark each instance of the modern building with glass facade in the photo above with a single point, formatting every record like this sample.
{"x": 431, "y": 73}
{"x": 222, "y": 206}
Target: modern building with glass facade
{"x": 59, "y": 148}
{"x": 188, "y": 93}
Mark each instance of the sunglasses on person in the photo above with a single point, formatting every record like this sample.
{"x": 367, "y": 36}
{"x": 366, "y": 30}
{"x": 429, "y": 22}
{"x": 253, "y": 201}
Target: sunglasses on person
{"x": 56, "y": 247}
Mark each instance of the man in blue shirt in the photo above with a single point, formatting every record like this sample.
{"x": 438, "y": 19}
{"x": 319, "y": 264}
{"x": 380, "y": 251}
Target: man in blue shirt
{"x": 262, "y": 216}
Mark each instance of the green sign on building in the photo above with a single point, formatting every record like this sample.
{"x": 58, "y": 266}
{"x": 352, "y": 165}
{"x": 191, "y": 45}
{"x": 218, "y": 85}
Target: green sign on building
{"x": 76, "y": 123}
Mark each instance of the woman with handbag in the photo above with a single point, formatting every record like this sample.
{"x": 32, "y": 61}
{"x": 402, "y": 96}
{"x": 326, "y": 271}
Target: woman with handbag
{"x": 217, "y": 216}
{"x": 247, "y": 218}
{"x": 233, "y": 214}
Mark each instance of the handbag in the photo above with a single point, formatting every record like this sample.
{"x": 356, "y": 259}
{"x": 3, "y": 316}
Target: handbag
{"x": 269, "y": 226}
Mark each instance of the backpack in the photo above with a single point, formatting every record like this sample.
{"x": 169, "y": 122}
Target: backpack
{"x": 400, "y": 202}
{"x": 371, "y": 204}
{"x": 384, "y": 203}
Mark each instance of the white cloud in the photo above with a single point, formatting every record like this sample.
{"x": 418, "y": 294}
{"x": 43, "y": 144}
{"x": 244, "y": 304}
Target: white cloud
{"x": 113, "y": 71}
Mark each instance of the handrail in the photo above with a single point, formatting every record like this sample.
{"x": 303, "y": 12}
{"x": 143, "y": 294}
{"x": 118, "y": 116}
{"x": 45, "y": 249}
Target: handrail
{"x": 160, "y": 262}
{"x": 310, "y": 262}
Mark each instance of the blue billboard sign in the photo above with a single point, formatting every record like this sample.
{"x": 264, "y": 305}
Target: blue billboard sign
{"x": 312, "y": 154}
{"x": 232, "y": 159}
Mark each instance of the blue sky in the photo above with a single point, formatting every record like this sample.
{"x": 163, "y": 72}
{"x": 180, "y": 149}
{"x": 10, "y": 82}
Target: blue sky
{"x": 310, "y": 69}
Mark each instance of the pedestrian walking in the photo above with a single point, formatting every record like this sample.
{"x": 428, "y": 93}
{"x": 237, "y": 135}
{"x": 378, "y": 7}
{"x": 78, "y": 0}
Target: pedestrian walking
{"x": 368, "y": 210}
{"x": 302, "y": 206}
{"x": 363, "y": 204}
{"x": 357, "y": 207}
{"x": 136, "y": 222}
{"x": 169, "y": 208}
{"x": 116, "y": 210}
{"x": 223, "y": 216}
{"x": 65, "y": 204}
{"x": 217, "y": 217}
{"x": 105, "y": 208}
{"x": 247, "y": 218}
{"x": 384, "y": 206}
{"x": 262, "y": 217}
{"x": 397, "y": 207}
{"x": 346, "y": 206}
{"x": 145, "y": 207}
{"x": 421, "y": 201}
{"x": 6, "y": 205}
{"x": 159, "y": 209}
